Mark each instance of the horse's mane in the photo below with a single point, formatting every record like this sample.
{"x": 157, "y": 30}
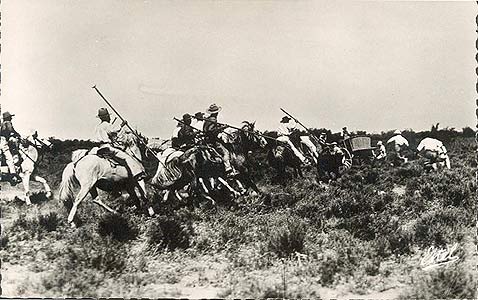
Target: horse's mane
{"x": 78, "y": 154}
{"x": 128, "y": 138}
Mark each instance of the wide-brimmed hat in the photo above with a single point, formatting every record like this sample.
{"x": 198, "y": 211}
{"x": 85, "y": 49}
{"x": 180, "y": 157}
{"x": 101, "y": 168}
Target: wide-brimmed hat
{"x": 379, "y": 143}
{"x": 102, "y": 112}
{"x": 285, "y": 119}
{"x": 213, "y": 108}
{"x": 199, "y": 115}
{"x": 7, "y": 115}
{"x": 186, "y": 117}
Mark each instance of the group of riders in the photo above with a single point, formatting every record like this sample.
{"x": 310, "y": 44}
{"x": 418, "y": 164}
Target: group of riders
{"x": 204, "y": 129}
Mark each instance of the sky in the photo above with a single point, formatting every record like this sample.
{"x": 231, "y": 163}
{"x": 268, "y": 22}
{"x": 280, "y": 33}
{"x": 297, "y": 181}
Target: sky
{"x": 371, "y": 66}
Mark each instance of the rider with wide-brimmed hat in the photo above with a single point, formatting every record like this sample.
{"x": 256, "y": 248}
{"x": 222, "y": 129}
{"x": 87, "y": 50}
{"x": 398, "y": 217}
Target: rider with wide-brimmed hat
{"x": 284, "y": 131}
{"x": 211, "y": 131}
{"x": 106, "y": 134}
{"x": 7, "y": 132}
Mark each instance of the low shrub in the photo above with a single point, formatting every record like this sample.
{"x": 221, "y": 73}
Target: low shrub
{"x": 49, "y": 222}
{"x": 169, "y": 232}
{"x": 439, "y": 227}
{"x": 444, "y": 283}
{"x": 24, "y": 228}
{"x": 117, "y": 227}
{"x": 287, "y": 237}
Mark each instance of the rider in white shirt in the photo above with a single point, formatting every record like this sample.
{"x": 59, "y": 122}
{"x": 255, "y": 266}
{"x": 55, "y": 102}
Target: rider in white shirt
{"x": 284, "y": 130}
{"x": 106, "y": 134}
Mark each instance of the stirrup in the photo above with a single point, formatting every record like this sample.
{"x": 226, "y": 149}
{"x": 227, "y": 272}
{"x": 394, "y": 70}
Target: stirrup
{"x": 140, "y": 176}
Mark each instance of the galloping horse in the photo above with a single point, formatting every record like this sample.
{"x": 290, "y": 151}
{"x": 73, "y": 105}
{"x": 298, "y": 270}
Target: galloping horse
{"x": 281, "y": 156}
{"x": 187, "y": 169}
{"x": 91, "y": 172}
{"x": 26, "y": 160}
{"x": 240, "y": 144}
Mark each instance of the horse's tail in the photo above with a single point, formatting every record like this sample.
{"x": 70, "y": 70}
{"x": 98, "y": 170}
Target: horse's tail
{"x": 68, "y": 182}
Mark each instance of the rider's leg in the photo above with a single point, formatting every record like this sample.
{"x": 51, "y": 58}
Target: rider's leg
{"x": 134, "y": 165}
{"x": 285, "y": 139}
{"x": 296, "y": 151}
{"x": 8, "y": 155}
{"x": 225, "y": 157}
{"x": 312, "y": 148}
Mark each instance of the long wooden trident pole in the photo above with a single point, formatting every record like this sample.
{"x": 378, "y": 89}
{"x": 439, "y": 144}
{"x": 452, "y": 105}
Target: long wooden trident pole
{"x": 125, "y": 122}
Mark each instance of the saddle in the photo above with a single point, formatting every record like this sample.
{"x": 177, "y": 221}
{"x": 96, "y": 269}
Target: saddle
{"x": 108, "y": 155}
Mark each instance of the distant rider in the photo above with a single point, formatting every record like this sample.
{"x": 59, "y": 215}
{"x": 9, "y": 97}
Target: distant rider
{"x": 7, "y": 133}
{"x": 381, "y": 151}
{"x": 345, "y": 133}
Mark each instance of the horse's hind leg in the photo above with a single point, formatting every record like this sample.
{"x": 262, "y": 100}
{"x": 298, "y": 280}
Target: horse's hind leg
{"x": 45, "y": 185}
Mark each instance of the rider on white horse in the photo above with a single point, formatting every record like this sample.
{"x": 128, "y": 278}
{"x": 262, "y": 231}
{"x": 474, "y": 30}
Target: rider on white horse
{"x": 106, "y": 134}
{"x": 285, "y": 130}
{"x": 7, "y": 132}
{"x": 29, "y": 155}
{"x": 436, "y": 152}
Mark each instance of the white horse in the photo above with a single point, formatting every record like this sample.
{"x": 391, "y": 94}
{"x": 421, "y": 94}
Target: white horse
{"x": 91, "y": 172}
{"x": 29, "y": 155}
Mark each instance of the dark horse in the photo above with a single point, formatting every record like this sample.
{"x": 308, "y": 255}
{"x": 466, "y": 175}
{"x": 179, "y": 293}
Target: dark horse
{"x": 241, "y": 143}
{"x": 187, "y": 171}
{"x": 333, "y": 161}
{"x": 280, "y": 156}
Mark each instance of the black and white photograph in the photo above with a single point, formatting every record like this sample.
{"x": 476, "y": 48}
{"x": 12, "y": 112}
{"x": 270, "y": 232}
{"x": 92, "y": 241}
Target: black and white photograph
{"x": 238, "y": 149}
